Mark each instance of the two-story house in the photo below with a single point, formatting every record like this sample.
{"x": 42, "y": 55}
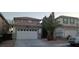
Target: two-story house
{"x": 70, "y": 26}
{"x": 27, "y": 28}
{"x": 4, "y": 25}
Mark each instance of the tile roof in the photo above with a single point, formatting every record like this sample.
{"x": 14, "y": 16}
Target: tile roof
{"x": 4, "y": 18}
{"x": 62, "y": 16}
{"x": 26, "y": 18}
{"x": 26, "y": 23}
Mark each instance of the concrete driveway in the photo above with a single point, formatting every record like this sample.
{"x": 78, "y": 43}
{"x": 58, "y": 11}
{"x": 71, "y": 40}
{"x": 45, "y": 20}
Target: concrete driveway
{"x": 39, "y": 43}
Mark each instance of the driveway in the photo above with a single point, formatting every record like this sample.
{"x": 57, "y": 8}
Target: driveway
{"x": 39, "y": 43}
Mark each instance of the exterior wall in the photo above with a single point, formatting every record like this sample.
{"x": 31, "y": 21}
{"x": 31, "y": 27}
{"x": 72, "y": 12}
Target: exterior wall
{"x": 4, "y": 27}
{"x": 1, "y": 25}
{"x": 39, "y": 33}
{"x": 26, "y": 22}
{"x": 60, "y": 20}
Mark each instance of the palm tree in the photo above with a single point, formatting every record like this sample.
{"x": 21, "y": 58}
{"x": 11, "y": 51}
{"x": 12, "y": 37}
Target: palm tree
{"x": 50, "y": 24}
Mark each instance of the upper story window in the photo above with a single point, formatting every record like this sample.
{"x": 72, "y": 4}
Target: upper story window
{"x": 77, "y": 21}
{"x": 72, "y": 21}
{"x": 65, "y": 20}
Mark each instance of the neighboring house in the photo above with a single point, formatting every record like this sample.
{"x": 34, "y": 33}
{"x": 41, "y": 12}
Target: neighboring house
{"x": 70, "y": 26}
{"x": 4, "y": 25}
{"x": 27, "y": 28}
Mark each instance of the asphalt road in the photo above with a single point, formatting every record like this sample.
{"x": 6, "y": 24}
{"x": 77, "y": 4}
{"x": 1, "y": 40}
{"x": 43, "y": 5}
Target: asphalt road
{"x": 39, "y": 43}
{"x": 35, "y": 43}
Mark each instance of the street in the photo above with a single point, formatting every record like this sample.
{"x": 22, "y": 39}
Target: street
{"x": 40, "y": 43}
{"x": 36, "y": 43}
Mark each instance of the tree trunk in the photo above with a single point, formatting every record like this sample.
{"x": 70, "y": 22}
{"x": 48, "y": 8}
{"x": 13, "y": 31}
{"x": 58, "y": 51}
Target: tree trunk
{"x": 49, "y": 36}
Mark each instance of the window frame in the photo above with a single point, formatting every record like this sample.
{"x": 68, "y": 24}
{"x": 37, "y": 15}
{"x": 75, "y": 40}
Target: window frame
{"x": 65, "y": 20}
{"x": 72, "y": 21}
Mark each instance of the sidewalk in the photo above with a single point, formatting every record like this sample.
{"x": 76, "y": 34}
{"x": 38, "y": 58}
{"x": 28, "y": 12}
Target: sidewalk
{"x": 55, "y": 41}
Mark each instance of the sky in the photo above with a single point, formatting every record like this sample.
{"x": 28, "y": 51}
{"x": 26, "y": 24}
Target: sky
{"x": 11, "y": 15}
{"x": 39, "y": 15}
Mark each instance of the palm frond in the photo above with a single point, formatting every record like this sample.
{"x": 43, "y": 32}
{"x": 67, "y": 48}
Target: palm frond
{"x": 50, "y": 24}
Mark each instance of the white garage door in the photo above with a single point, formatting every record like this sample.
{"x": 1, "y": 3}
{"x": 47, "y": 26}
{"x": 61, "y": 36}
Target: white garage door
{"x": 70, "y": 32}
{"x": 27, "y": 35}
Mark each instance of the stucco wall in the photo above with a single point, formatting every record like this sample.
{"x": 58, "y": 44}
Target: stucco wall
{"x": 4, "y": 27}
{"x": 1, "y": 24}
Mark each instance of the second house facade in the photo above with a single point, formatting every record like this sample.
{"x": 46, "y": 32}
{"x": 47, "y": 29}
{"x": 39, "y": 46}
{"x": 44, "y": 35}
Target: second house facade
{"x": 70, "y": 26}
{"x": 27, "y": 28}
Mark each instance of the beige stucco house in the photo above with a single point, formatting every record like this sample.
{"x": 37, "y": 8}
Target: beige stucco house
{"x": 70, "y": 26}
{"x": 27, "y": 28}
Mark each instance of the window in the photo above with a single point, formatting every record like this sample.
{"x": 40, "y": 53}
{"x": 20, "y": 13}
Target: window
{"x": 21, "y": 29}
{"x": 59, "y": 33}
{"x": 35, "y": 29}
{"x": 72, "y": 21}
{"x": 27, "y": 29}
{"x": 77, "y": 21}
{"x": 30, "y": 29}
{"x": 65, "y": 20}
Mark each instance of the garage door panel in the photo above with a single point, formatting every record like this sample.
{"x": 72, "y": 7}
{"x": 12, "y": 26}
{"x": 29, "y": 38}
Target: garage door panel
{"x": 18, "y": 36}
{"x": 70, "y": 32}
{"x": 27, "y": 35}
